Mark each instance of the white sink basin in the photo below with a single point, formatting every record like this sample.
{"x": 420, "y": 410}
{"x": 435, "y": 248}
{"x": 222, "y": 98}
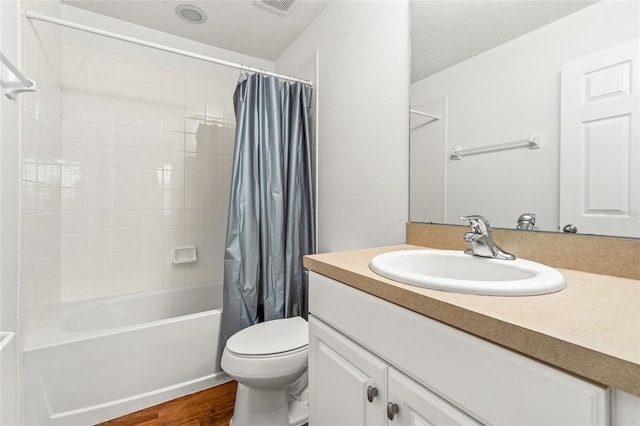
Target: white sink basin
{"x": 462, "y": 273}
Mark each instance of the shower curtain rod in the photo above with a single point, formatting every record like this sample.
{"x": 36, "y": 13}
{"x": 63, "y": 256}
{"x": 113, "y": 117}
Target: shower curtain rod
{"x": 40, "y": 17}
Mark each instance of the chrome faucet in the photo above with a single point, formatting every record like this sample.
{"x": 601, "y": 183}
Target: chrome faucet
{"x": 526, "y": 221}
{"x": 482, "y": 243}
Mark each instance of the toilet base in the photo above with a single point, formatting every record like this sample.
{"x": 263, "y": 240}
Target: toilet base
{"x": 268, "y": 407}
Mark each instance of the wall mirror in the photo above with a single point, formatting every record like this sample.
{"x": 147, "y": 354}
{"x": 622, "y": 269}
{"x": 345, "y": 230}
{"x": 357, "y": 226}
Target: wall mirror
{"x": 526, "y": 107}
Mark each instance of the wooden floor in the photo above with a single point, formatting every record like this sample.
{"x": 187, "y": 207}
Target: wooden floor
{"x": 210, "y": 407}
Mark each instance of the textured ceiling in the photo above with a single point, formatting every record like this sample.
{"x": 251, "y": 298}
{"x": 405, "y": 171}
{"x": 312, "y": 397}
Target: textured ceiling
{"x": 446, "y": 32}
{"x": 443, "y": 32}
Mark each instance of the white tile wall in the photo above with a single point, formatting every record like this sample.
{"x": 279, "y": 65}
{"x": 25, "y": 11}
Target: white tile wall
{"x": 41, "y": 172}
{"x": 427, "y": 159}
{"x": 146, "y": 153}
{"x": 40, "y": 178}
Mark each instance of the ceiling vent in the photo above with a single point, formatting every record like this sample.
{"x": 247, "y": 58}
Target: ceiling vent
{"x": 280, "y": 6}
{"x": 191, "y": 14}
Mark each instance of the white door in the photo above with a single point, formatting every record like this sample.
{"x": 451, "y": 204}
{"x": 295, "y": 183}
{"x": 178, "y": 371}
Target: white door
{"x": 600, "y": 142}
{"x": 347, "y": 384}
{"x": 418, "y": 406}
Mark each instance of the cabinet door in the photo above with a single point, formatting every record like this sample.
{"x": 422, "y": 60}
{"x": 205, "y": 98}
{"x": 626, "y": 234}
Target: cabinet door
{"x": 340, "y": 375}
{"x": 418, "y": 406}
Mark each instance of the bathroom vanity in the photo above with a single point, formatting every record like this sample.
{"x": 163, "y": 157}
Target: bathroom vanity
{"x": 383, "y": 352}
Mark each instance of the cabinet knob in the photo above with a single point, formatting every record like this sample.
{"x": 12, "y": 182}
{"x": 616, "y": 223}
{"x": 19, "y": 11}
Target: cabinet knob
{"x": 392, "y": 410}
{"x": 371, "y": 393}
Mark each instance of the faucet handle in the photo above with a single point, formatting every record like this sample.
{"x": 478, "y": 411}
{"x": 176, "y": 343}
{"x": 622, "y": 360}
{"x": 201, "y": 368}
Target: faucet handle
{"x": 526, "y": 221}
{"x": 479, "y": 224}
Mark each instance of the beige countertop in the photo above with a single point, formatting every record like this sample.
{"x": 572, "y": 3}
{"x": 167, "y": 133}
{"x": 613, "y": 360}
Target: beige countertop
{"x": 591, "y": 328}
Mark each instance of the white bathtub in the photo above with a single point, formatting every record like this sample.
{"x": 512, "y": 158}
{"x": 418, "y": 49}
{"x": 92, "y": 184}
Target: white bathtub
{"x": 93, "y": 361}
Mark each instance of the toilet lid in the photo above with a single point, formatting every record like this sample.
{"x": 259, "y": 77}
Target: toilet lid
{"x": 271, "y": 337}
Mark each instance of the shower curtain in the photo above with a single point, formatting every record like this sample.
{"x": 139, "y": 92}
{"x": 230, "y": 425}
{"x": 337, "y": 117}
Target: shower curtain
{"x": 270, "y": 224}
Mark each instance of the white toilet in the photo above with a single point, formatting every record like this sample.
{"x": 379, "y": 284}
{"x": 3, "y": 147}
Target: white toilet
{"x": 269, "y": 362}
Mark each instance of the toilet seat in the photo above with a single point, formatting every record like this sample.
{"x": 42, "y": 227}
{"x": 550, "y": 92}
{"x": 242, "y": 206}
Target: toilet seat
{"x": 271, "y": 338}
{"x": 303, "y": 349}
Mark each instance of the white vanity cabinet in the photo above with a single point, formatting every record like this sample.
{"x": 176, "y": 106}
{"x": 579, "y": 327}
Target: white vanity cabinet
{"x": 351, "y": 386}
{"x": 433, "y": 373}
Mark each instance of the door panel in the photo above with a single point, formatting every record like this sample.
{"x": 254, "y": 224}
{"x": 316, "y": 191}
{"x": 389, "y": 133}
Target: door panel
{"x": 418, "y": 406}
{"x": 340, "y": 373}
{"x": 600, "y": 142}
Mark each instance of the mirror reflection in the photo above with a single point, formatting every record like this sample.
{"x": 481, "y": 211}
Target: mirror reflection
{"x": 527, "y": 113}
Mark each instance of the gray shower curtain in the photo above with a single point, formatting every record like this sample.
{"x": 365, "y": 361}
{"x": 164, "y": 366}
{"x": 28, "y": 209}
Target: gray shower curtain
{"x": 270, "y": 224}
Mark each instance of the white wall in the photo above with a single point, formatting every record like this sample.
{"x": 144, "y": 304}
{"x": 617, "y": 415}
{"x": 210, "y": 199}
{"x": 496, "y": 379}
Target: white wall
{"x": 9, "y": 145}
{"x": 40, "y": 173}
{"x": 503, "y": 95}
{"x": 92, "y": 223}
{"x": 362, "y": 90}
{"x": 147, "y": 149}
{"x": 30, "y": 185}
{"x": 427, "y": 160}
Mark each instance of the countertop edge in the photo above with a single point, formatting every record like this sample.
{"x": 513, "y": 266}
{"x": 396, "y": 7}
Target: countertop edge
{"x": 595, "y": 366}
